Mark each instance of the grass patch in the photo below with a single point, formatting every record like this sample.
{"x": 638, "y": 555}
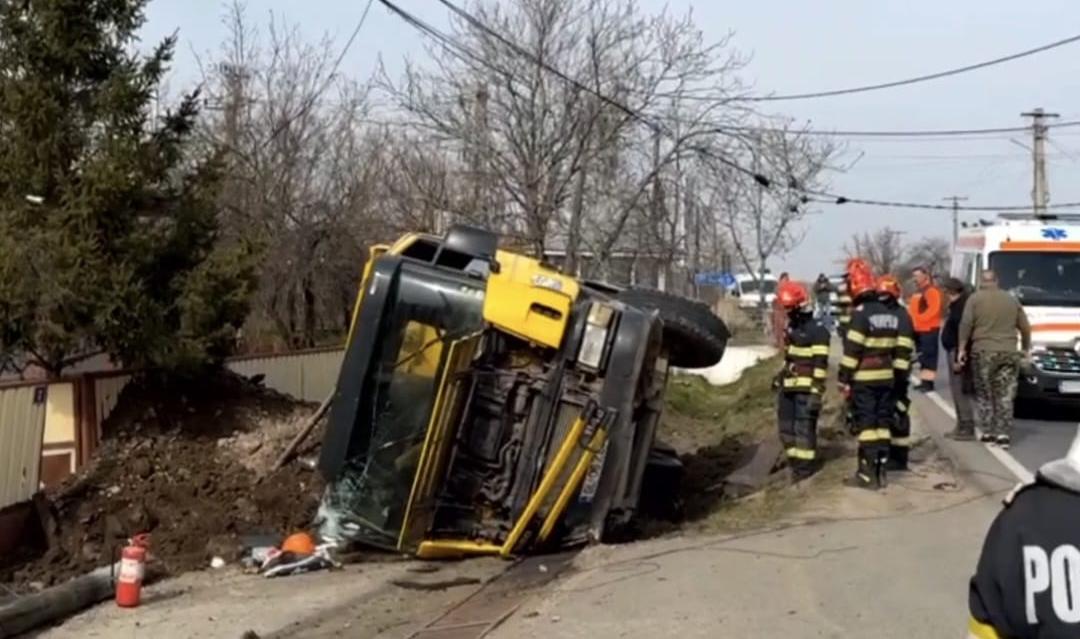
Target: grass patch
{"x": 713, "y": 428}
{"x": 698, "y": 414}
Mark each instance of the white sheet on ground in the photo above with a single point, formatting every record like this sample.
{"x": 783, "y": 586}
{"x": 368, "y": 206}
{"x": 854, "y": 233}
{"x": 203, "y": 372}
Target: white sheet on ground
{"x": 736, "y": 360}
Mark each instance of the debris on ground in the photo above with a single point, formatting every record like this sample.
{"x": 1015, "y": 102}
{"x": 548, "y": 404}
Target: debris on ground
{"x": 184, "y": 463}
{"x": 285, "y": 563}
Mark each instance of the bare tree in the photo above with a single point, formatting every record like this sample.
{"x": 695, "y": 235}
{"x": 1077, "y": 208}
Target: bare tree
{"x": 762, "y": 217}
{"x": 931, "y": 253}
{"x": 298, "y": 177}
{"x": 883, "y": 249}
{"x": 548, "y": 130}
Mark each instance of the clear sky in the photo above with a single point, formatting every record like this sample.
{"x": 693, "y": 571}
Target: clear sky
{"x": 800, "y": 46}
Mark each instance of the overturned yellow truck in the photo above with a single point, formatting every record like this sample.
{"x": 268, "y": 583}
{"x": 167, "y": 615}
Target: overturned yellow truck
{"x": 489, "y": 404}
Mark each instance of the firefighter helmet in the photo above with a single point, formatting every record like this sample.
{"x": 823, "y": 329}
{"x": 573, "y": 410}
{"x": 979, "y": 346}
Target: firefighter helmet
{"x": 861, "y": 282}
{"x": 792, "y": 295}
{"x": 857, "y": 264}
{"x": 889, "y": 285}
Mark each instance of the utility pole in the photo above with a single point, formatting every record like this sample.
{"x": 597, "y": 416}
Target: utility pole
{"x": 956, "y": 200}
{"x": 480, "y": 157}
{"x": 657, "y": 207}
{"x": 1040, "y": 192}
{"x": 571, "y": 260}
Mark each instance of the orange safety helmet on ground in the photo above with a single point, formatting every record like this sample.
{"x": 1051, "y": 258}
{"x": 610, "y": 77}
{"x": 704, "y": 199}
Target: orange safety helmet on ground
{"x": 300, "y": 543}
{"x": 860, "y": 282}
{"x": 889, "y": 285}
{"x": 791, "y": 295}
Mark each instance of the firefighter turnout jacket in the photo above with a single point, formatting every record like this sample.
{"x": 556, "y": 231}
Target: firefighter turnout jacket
{"x": 875, "y": 350}
{"x": 843, "y": 306}
{"x": 806, "y": 358}
{"x": 1027, "y": 584}
{"x": 905, "y": 347}
{"x": 900, "y": 442}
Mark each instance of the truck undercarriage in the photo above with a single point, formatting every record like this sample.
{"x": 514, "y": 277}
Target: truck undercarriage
{"x": 488, "y": 404}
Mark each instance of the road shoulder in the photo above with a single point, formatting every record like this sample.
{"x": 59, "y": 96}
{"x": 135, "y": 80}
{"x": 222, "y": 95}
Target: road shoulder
{"x": 989, "y": 467}
{"x": 913, "y": 546}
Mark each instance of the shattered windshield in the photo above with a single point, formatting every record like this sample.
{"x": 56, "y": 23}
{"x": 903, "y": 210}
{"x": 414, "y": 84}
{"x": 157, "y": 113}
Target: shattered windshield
{"x": 424, "y": 317}
{"x": 1039, "y": 278}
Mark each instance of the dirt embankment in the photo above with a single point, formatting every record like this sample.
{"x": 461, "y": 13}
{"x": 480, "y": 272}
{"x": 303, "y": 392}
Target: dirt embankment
{"x": 188, "y": 465}
{"x": 713, "y": 428}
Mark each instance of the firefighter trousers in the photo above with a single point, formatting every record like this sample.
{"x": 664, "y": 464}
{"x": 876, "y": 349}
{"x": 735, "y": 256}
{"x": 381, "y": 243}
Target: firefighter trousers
{"x": 797, "y": 417}
{"x": 900, "y": 442}
{"x": 873, "y": 408}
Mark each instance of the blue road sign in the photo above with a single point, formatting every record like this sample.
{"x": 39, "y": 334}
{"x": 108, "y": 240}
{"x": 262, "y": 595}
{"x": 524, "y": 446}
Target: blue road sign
{"x": 715, "y": 278}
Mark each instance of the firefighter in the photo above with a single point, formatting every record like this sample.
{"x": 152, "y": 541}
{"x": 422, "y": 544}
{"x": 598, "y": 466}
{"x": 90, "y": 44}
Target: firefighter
{"x": 867, "y": 378}
{"x": 888, "y": 288}
{"x": 802, "y": 380}
{"x": 844, "y": 301}
{"x": 1026, "y": 583}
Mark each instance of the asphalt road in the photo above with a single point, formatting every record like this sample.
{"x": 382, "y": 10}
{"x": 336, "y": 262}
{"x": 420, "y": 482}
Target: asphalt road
{"x": 885, "y": 564}
{"x": 1042, "y": 432}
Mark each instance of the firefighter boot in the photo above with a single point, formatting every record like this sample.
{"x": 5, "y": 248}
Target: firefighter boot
{"x": 864, "y": 476}
{"x": 898, "y": 459}
{"x": 881, "y": 470}
{"x": 802, "y": 469}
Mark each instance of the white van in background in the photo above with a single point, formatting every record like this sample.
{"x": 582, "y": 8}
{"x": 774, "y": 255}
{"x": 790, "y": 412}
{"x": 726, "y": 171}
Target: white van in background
{"x": 1038, "y": 261}
{"x": 750, "y": 290}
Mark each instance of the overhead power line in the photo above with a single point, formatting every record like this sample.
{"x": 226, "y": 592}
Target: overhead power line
{"x": 890, "y": 85}
{"x": 520, "y": 51}
{"x": 929, "y": 133}
{"x": 477, "y": 23}
{"x": 310, "y": 102}
{"x": 820, "y": 197}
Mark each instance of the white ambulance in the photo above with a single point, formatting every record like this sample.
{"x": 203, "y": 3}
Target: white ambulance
{"x": 1038, "y": 261}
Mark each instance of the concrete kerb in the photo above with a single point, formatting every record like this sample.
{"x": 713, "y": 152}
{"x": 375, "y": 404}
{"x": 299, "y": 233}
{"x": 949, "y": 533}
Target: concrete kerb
{"x": 971, "y": 460}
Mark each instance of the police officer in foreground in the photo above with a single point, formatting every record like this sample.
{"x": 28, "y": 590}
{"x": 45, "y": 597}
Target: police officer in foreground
{"x": 1027, "y": 584}
{"x": 801, "y": 381}
{"x": 867, "y": 378}
{"x": 889, "y": 292}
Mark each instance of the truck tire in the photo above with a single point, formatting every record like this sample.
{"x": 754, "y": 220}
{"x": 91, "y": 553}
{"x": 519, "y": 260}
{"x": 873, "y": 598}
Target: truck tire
{"x": 693, "y": 335}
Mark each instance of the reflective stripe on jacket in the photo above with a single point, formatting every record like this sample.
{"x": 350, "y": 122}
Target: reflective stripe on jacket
{"x": 843, "y": 306}
{"x": 806, "y": 358}
{"x": 872, "y": 344}
{"x": 905, "y": 344}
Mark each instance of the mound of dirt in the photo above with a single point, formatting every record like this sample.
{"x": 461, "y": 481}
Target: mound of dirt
{"x": 189, "y": 465}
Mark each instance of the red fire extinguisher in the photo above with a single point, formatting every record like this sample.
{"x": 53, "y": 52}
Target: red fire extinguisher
{"x": 132, "y": 570}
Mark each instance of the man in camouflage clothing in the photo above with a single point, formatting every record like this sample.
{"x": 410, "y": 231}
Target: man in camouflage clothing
{"x": 991, "y": 321}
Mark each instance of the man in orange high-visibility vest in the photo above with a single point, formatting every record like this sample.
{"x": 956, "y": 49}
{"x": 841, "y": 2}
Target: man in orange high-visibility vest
{"x": 925, "y": 308}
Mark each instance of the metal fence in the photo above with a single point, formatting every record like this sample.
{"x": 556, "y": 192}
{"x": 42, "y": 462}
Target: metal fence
{"x": 22, "y": 427}
{"x": 307, "y": 375}
{"x": 49, "y": 430}
{"x": 107, "y": 393}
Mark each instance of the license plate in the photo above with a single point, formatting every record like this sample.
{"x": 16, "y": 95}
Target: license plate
{"x": 1069, "y": 388}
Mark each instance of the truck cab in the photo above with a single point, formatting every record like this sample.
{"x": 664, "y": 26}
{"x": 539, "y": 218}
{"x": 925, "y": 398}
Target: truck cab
{"x": 1038, "y": 261}
{"x": 488, "y": 404}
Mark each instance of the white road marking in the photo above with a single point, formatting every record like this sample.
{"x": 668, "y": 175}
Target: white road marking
{"x": 1003, "y": 456}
